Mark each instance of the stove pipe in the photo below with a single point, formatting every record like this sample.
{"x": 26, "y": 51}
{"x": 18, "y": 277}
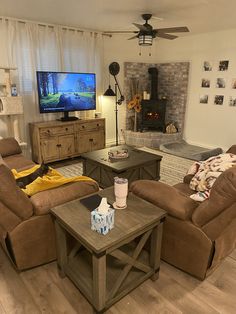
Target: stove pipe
{"x": 154, "y": 83}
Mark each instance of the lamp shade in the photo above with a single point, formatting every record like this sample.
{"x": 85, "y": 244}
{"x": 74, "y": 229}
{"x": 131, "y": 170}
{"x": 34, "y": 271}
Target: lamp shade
{"x": 145, "y": 40}
{"x": 109, "y": 92}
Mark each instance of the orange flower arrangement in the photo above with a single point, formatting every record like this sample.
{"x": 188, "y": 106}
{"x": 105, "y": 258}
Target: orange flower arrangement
{"x": 135, "y": 103}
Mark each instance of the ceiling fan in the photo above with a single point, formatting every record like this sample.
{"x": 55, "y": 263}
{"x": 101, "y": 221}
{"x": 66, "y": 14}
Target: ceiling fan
{"x": 146, "y": 33}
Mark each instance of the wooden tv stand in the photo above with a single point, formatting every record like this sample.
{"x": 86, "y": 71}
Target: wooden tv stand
{"x": 57, "y": 140}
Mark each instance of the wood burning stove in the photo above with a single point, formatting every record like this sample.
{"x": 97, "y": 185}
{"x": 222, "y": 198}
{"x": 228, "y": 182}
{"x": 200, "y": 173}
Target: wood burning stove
{"x": 153, "y": 110}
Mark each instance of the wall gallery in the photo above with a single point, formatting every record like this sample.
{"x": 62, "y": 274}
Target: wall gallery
{"x": 217, "y": 81}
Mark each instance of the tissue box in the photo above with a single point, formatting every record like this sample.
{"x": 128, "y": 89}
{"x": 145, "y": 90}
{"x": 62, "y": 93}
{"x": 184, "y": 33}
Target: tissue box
{"x": 102, "y": 223}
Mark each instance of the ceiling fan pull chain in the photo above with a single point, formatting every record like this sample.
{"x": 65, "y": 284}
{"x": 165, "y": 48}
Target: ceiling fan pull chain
{"x": 140, "y": 51}
{"x": 150, "y": 51}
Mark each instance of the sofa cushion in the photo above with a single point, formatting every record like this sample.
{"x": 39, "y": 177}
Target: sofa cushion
{"x": 12, "y": 196}
{"x": 9, "y": 146}
{"x": 45, "y": 200}
{"x": 165, "y": 196}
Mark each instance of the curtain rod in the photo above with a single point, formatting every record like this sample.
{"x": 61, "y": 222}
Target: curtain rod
{"x": 64, "y": 27}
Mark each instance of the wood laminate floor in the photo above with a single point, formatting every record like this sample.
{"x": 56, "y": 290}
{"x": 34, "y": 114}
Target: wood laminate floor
{"x": 41, "y": 290}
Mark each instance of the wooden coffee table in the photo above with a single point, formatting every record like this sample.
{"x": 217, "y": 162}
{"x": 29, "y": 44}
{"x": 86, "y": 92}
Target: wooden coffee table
{"x": 107, "y": 267}
{"x": 139, "y": 165}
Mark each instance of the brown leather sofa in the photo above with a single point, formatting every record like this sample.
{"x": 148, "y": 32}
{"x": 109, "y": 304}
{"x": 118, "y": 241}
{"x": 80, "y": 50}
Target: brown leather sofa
{"x": 26, "y": 227}
{"x": 196, "y": 236}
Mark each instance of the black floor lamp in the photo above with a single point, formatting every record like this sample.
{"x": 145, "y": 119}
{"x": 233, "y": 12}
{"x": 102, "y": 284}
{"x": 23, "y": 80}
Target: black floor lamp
{"x": 114, "y": 69}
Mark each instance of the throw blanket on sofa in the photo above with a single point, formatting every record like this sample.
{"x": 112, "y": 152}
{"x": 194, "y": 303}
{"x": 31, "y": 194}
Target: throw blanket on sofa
{"x": 50, "y": 180}
{"x": 206, "y": 172}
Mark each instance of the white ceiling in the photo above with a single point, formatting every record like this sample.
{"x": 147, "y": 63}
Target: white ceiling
{"x": 199, "y": 15}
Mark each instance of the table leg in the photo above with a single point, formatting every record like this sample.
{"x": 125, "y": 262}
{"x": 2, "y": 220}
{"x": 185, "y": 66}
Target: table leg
{"x": 155, "y": 250}
{"x": 99, "y": 282}
{"x": 61, "y": 245}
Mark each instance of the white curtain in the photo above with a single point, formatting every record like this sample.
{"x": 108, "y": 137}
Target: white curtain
{"x": 31, "y": 47}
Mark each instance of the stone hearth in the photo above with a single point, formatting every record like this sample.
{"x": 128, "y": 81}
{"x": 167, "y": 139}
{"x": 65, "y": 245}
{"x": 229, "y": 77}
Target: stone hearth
{"x": 150, "y": 139}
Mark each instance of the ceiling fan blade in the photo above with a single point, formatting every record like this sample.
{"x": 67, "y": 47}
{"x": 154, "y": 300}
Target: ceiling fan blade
{"x": 157, "y": 18}
{"x": 136, "y": 36}
{"x": 141, "y": 27}
{"x": 166, "y": 36}
{"x": 120, "y": 32}
{"x": 180, "y": 29}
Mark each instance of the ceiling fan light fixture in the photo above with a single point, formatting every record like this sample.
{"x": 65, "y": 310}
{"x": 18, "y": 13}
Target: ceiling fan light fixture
{"x": 145, "y": 40}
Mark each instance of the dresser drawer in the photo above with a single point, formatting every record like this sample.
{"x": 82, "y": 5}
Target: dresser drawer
{"x": 59, "y": 130}
{"x": 91, "y": 126}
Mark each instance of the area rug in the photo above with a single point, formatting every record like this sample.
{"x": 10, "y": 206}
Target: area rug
{"x": 173, "y": 168}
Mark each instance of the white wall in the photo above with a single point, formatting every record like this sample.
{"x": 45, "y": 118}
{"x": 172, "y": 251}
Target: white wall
{"x": 207, "y": 125}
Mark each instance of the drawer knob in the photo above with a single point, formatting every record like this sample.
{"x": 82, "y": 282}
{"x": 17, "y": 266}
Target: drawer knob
{"x": 66, "y": 129}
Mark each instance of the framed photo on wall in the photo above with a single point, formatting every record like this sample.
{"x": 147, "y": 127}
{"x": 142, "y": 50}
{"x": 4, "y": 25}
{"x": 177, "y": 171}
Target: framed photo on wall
{"x": 234, "y": 83}
{"x": 219, "y": 99}
{"x": 220, "y": 83}
{"x": 223, "y": 65}
{"x": 207, "y": 66}
{"x": 203, "y": 99}
{"x": 232, "y": 101}
{"x": 206, "y": 83}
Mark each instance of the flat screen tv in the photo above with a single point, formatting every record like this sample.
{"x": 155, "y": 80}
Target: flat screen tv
{"x": 65, "y": 92}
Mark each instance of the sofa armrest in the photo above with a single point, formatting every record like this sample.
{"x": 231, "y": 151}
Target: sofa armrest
{"x": 166, "y": 197}
{"x": 232, "y": 150}
{"x": 12, "y": 196}
{"x": 45, "y": 200}
{"x": 9, "y": 146}
{"x": 222, "y": 196}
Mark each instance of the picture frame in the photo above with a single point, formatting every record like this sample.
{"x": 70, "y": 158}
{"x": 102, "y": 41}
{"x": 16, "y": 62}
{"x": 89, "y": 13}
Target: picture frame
{"x": 206, "y": 83}
{"x": 219, "y": 99}
{"x": 223, "y": 65}
{"x": 203, "y": 99}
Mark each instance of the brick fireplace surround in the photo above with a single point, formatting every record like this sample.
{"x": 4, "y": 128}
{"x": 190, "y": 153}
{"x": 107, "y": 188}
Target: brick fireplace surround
{"x": 172, "y": 84}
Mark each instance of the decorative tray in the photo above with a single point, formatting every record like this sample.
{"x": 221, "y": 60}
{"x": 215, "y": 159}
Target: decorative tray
{"x": 118, "y": 154}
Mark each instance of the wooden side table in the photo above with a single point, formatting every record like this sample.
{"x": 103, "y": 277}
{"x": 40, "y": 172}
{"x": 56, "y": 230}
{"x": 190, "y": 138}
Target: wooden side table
{"x": 106, "y": 268}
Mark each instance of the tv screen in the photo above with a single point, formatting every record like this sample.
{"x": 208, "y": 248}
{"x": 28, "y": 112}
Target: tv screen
{"x": 66, "y": 91}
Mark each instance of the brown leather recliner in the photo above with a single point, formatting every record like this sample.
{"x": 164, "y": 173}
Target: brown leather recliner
{"x": 196, "y": 236}
{"x": 26, "y": 227}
